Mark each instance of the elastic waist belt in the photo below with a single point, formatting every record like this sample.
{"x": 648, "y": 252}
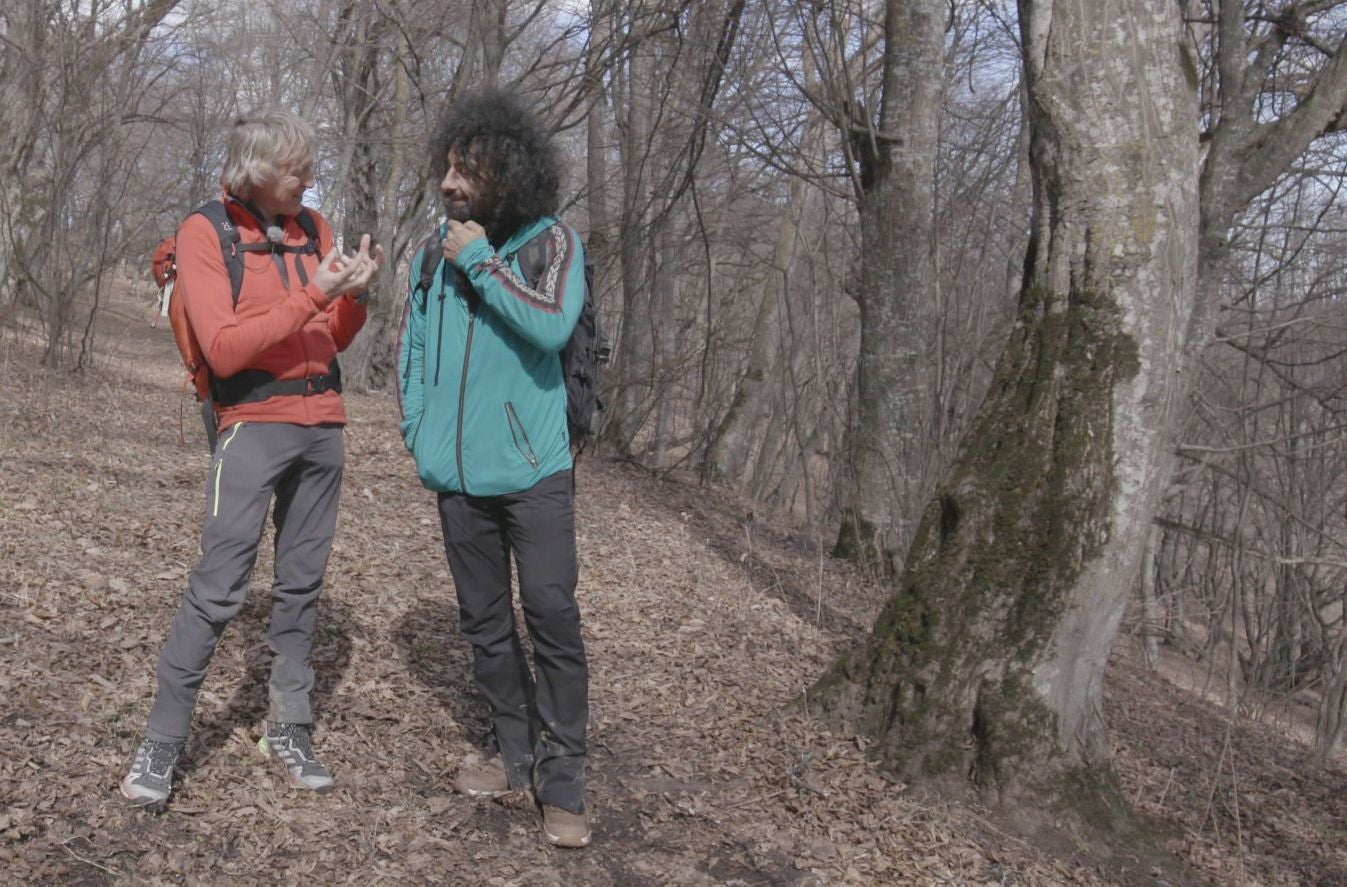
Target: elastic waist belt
{"x": 251, "y": 386}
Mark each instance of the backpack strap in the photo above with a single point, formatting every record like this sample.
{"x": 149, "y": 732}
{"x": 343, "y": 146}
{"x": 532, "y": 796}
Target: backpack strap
{"x": 310, "y": 248}
{"x": 218, "y": 215}
{"x": 306, "y": 222}
{"x": 431, "y": 255}
{"x": 251, "y": 386}
{"x": 231, "y": 246}
{"x": 533, "y": 259}
{"x": 276, "y": 249}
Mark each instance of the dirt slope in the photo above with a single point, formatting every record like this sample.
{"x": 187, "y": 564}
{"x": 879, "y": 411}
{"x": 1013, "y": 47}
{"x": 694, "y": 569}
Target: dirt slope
{"x": 702, "y": 624}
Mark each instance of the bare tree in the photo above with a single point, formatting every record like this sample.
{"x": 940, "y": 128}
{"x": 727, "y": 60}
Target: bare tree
{"x": 55, "y": 58}
{"x": 666, "y": 86}
{"x": 989, "y": 659}
{"x": 1257, "y": 504}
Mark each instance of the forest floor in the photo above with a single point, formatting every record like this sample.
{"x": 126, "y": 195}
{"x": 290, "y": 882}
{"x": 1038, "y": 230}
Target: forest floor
{"x": 703, "y": 622}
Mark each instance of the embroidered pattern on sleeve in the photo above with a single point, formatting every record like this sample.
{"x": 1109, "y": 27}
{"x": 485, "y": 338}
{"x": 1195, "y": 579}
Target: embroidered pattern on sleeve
{"x": 549, "y": 294}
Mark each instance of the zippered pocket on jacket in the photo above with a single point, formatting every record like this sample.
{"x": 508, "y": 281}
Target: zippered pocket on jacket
{"x": 521, "y": 437}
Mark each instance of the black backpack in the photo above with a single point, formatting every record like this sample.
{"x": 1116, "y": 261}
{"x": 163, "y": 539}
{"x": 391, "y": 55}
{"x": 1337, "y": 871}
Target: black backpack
{"x": 585, "y": 351}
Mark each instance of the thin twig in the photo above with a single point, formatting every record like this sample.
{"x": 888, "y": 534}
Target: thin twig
{"x": 66, "y": 847}
{"x": 748, "y": 801}
{"x": 1239, "y": 827}
{"x": 1165, "y": 790}
{"x": 1216, "y": 778}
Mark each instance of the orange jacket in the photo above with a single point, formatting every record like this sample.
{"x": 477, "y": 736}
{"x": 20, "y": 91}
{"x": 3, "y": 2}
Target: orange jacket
{"x": 290, "y": 333}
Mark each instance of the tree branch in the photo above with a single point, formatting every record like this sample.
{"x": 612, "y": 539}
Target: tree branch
{"x": 1270, "y": 148}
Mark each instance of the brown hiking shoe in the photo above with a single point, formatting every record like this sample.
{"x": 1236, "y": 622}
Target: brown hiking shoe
{"x": 564, "y": 828}
{"x": 487, "y": 780}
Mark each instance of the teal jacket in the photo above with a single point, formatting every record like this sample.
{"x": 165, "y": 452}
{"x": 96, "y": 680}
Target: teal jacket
{"x": 482, "y": 396}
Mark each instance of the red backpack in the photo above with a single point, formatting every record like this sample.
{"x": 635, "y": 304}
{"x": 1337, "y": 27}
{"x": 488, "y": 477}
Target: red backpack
{"x": 163, "y": 266}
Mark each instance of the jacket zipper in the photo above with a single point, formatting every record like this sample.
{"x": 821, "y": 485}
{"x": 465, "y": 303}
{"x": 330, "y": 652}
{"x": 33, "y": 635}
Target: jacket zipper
{"x": 463, "y": 392}
{"x": 303, "y": 342}
{"x": 439, "y": 339}
{"x": 527, "y": 449}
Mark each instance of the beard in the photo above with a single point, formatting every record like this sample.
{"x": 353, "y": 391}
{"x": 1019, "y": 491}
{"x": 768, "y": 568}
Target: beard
{"x": 481, "y": 207}
{"x": 486, "y": 209}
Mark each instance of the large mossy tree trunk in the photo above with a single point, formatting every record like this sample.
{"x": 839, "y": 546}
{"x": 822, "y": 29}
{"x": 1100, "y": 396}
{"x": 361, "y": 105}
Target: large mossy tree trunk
{"x": 987, "y": 663}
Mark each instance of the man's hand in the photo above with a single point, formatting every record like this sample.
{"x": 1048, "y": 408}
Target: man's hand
{"x": 460, "y": 235}
{"x": 348, "y": 275}
{"x": 367, "y": 262}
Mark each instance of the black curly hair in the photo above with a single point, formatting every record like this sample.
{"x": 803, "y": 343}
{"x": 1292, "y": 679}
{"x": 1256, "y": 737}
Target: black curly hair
{"x": 506, "y": 147}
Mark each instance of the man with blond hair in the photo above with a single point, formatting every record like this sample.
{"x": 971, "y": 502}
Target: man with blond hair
{"x": 271, "y": 302}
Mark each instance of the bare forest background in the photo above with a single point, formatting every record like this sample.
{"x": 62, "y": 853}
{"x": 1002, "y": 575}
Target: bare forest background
{"x": 815, "y": 229}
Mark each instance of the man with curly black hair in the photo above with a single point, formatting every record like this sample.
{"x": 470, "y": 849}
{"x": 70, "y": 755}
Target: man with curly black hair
{"x": 484, "y": 415}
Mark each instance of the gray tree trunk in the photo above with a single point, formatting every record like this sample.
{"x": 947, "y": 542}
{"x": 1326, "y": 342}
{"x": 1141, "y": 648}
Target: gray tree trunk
{"x": 634, "y": 342}
{"x": 663, "y": 305}
{"x": 731, "y": 451}
{"x": 596, "y": 137}
{"x": 369, "y": 361}
{"x": 897, "y": 156}
{"x": 599, "y": 244}
{"x": 988, "y": 661}
{"x": 1151, "y": 612}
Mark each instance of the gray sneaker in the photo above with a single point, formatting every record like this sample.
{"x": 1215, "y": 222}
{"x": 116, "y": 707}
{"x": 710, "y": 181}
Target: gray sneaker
{"x": 290, "y": 744}
{"x": 150, "y": 781}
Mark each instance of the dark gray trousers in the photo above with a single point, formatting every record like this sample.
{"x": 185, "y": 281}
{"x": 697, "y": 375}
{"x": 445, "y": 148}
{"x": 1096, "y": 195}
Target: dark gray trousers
{"x": 301, "y": 468}
{"x": 539, "y": 716}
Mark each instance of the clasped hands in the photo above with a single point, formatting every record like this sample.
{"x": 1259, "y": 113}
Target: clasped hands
{"x": 342, "y": 275}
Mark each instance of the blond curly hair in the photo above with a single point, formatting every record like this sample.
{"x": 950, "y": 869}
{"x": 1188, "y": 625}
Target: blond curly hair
{"x": 267, "y": 147}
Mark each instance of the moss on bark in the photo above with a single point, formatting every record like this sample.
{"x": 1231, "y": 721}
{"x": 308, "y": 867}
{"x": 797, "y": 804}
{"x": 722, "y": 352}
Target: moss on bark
{"x": 944, "y": 682}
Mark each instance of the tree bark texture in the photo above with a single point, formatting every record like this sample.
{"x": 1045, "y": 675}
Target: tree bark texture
{"x": 599, "y": 243}
{"x": 357, "y": 86}
{"x": 988, "y": 661}
{"x": 634, "y": 342}
{"x": 896, "y": 156}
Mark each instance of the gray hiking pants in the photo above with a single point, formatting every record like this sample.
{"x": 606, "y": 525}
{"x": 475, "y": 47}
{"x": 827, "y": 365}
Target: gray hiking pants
{"x": 300, "y": 466}
{"x": 539, "y": 716}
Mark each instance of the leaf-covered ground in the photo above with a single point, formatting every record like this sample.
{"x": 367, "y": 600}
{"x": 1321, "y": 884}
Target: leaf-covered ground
{"x": 1246, "y": 802}
{"x": 702, "y": 625}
